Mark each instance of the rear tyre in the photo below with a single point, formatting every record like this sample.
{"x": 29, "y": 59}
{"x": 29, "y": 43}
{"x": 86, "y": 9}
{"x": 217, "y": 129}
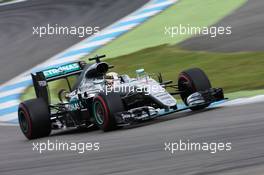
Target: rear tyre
{"x": 104, "y": 108}
{"x": 33, "y": 117}
{"x": 191, "y": 81}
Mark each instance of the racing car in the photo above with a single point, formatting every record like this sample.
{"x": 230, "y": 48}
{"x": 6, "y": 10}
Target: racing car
{"x": 106, "y": 100}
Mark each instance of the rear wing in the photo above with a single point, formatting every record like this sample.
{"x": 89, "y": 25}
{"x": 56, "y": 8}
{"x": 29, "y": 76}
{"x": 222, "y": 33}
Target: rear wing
{"x": 62, "y": 71}
{"x": 41, "y": 79}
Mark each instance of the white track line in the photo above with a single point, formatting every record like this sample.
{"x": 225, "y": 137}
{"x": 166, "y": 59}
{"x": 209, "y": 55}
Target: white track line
{"x": 61, "y": 61}
{"x": 12, "y": 92}
{"x": 8, "y": 117}
{"x": 244, "y": 101}
{"x": 8, "y": 124}
{"x": 160, "y": 4}
{"x": 11, "y": 2}
{"x": 9, "y": 104}
{"x": 131, "y": 18}
{"x": 93, "y": 44}
{"x": 73, "y": 57}
{"x": 118, "y": 29}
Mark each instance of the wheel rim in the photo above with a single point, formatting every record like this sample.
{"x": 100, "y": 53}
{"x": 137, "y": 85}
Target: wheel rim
{"x": 99, "y": 112}
{"x": 23, "y": 122}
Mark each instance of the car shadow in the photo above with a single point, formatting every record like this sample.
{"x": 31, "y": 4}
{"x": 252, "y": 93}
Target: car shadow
{"x": 173, "y": 116}
{"x": 71, "y": 131}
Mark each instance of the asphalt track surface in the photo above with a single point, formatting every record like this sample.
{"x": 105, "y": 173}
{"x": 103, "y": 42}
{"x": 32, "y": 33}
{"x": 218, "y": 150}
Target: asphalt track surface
{"x": 247, "y": 25}
{"x": 20, "y": 50}
{"x": 140, "y": 149}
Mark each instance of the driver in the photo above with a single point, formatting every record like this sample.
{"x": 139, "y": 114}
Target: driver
{"x": 111, "y": 77}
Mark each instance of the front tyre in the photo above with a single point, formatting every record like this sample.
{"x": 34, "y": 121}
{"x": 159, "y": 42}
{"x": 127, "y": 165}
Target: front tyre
{"x": 33, "y": 118}
{"x": 191, "y": 81}
{"x": 104, "y": 107}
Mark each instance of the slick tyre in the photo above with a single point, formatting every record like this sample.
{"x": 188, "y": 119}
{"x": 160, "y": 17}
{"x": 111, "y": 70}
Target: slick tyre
{"x": 104, "y": 108}
{"x": 191, "y": 81}
{"x": 34, "y": 120}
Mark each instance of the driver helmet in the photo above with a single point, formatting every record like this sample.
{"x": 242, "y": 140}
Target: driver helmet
{"x": 111, "y": 77}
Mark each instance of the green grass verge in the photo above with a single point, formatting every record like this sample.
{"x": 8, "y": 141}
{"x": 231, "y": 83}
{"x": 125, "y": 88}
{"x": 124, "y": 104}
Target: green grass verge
{"x": 232, "y": 71}
{"x": 151, "y": 33}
